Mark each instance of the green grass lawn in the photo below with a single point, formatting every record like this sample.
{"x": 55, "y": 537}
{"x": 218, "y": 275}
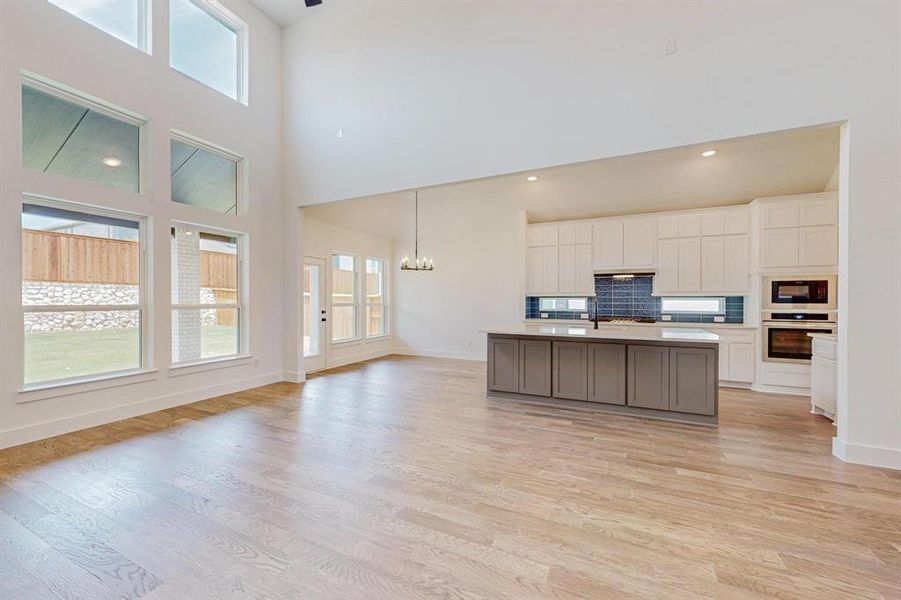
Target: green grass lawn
{"x": 63, "y": 354}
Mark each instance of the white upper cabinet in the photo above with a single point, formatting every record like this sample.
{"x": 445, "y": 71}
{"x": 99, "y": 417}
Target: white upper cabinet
{"x": 607, "y": 244}
{"x": 639, "y": 242}
{"x": 542, "y": 268}
{"x": 574, "y": 233}
{"x": 799, "y": 231}
{"x": 541, "y": 235}
{"x": 703, "y": 252}
{"x": 574, "y": 266}
{"x": 624, "y": 243}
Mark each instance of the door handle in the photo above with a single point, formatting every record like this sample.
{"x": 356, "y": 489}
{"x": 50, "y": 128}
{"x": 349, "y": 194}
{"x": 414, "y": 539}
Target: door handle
{"x": 322, "y": 319}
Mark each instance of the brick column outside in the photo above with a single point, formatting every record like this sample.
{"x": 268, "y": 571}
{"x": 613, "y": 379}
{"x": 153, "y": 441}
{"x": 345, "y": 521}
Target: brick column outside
{"x": 186, "y": 290}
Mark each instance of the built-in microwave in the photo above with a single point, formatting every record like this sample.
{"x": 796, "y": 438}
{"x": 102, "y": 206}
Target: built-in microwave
{"x": 803, "y": 293}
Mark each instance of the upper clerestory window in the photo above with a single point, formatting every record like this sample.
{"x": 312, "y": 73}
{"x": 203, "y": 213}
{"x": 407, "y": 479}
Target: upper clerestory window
{"x": 64, "y": 134}
{"x": 123, "y": 19}
{"x": 208, "y": 43}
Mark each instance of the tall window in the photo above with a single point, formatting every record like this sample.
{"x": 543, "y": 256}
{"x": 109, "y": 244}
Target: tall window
{"x": 206, "y": 43}
{"x": 65, "y": 135}
{"x": 344, "y": 297}
{"x": 203, "y": 177}
{"x": 82, "y": 292}
{"x": 206, "y": 294}
{"x": 376, "y": 322}
{"x": 124, "y": 19}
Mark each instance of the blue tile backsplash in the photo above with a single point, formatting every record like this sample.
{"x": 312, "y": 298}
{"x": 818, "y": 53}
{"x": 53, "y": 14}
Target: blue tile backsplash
{"x": 632, "y": 298}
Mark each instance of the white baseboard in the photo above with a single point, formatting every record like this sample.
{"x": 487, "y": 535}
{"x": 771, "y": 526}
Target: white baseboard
{"x": 889, "y": 458}
{"x": 293, "y": 377}
{"x": 780, "y": 389}
{"x": 47, "y": 429}
{"x": 741, "y": 385}
{"x": 480, "y": 356}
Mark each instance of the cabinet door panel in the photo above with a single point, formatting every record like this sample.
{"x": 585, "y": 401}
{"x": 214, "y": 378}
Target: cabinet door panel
{"x": 713, "y": 223}
{"x": 724, "y": 359}
{"x": 607, "y": 373}
{"x": 534, "y": 270}
{"x": 570, "y": 370}
{"x": 779, "y": 248}
{"x": 503, "y": 364}
{"x": 608, "y": 244}
{"x": 690, "y": 265}
{"x": 648, "y": 377}
{"x": 741, "y": 362}
{"x": 667, "y": 278}
{"x": 544, "y": 235}
{"x": 713, "y": 264}
{"x": 736, "y": 222}
{"x": 667, "y": 227}
{"x": 639, "y": 242}
{"x": 818, "y": 246}
{"x": 821, "y": 211}
{"x": 779, "y": 214}
{"x": 566, "y": 269}
{"x": 736, "y": 267}
{"x": 584, "y": 272}
{"x": 693, "y": 381}
{"x": 535, "y": 367}
{"x": 690, "y": 225}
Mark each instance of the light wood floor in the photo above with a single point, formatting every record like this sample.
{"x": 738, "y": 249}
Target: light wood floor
{"x": 398, "y": 479}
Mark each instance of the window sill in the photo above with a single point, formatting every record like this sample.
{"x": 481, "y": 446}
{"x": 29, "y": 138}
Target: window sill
{"x": 45, "y": 391}
{"x": 379, "y": 338}
{"x": 201, "y": 366}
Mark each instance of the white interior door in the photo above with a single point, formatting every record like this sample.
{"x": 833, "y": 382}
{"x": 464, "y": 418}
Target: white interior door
{"x": 314, "y": 314}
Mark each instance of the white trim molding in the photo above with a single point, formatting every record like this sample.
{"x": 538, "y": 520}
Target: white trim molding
{"x": 888, "y": 458}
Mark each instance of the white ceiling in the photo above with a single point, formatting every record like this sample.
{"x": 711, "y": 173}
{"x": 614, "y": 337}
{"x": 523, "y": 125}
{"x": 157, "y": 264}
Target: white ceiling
{"x": 788, "y": 162}
{"x": 285, "y": 12}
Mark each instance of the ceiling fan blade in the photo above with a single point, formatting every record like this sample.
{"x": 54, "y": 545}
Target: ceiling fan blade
{"x": 310, "y": 3}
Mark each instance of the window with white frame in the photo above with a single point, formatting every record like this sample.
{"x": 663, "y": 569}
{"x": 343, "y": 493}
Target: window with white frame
{"x": 344, "y": 297}
{"x": 207, "y": 43}
{"x": 64, "y": 134}
{"x": 202, "y": 176}
{"x": 698, "y": 306}
{"x": 123, "y": 19}
{"x": 207, "y": 294}
{"x": 82, "y": 291}
{"x": 376, "y": 298}
{"x": 563, "y": 304}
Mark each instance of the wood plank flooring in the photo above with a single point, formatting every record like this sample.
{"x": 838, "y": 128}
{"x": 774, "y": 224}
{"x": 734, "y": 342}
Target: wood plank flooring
{"x": 398, "y": 479}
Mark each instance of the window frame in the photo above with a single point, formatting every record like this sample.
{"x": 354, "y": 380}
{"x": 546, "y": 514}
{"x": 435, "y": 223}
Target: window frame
{"x": 144, "y": 26}
{"x": 567, "y": 298}
{"x": 143, "y": 307}
{"x": 241, "y": 183}
{"x": 242, "y": 56}
{"x": 241, "y": 305}
{"x": 358, "y": 334}
{"x": 383, "y": 303}
{"x": 721, "y": 310}
{"x": 69, "y": 94}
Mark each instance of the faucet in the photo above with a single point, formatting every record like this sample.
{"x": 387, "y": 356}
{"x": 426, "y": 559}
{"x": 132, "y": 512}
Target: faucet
{"x": 596, "y": 317}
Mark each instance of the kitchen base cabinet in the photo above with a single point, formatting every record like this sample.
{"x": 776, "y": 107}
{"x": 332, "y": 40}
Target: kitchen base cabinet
{"x": 692, "y": 380}
{"x": 535, "y": 367}
{"x": 570, "y": 370}
{"x": 661, "y": 379}
{"x": 648, "y": 377}
{"x": 607, "y": 373}
{"x": 503, "y": 364}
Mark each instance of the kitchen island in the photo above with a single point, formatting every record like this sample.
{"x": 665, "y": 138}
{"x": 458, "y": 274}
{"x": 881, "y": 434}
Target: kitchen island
{"x": 665, "y": 373}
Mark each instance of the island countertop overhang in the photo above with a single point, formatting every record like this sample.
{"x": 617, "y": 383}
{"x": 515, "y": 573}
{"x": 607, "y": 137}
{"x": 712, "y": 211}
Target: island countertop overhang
{"x": 678, "y": 335}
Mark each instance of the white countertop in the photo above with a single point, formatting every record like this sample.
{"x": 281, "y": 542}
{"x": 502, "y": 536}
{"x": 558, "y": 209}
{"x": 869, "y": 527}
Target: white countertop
{"x": 608, "y": 332}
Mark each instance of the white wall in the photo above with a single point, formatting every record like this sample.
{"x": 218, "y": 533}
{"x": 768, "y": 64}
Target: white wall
{"x": 434, "y": 92}
{"x": 321, "y": 240}
{"x": 41, "y": 38}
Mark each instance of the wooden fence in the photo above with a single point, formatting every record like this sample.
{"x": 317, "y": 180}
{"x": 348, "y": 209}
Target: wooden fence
{"x": 68, "y": 258}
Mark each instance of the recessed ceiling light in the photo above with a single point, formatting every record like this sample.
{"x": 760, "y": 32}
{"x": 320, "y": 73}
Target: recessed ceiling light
{"x": 112, "y": 161}
{"x": 708, "y": 153}
{"x": 532, "y": 177}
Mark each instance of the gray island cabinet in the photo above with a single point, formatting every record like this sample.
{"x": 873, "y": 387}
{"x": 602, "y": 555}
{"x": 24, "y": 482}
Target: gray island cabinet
{"x": 658, "y": 372}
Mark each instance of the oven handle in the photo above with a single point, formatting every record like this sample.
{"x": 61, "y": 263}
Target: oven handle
{"x": 800, "y": 325}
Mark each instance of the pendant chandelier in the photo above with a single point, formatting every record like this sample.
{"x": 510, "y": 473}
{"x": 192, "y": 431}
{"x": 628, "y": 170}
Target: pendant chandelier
{"x": 419, "y": 264}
